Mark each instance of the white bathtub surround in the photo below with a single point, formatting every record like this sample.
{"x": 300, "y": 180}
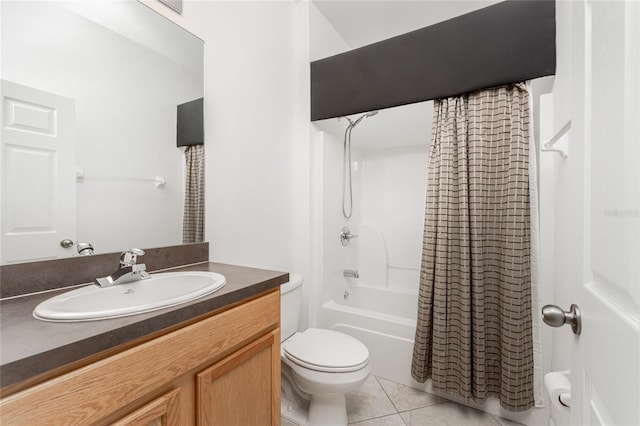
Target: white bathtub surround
{"x": 393, "y": 183}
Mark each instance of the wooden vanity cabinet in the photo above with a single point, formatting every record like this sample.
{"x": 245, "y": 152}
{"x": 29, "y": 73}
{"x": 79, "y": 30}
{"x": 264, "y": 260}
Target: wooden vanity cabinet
{"x": 164, "y": 410}
{"x": 221, "y": 370}
{"x": 237, "y": 390}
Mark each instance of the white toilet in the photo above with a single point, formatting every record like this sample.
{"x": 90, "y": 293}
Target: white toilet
{"x": 318, "y": 366}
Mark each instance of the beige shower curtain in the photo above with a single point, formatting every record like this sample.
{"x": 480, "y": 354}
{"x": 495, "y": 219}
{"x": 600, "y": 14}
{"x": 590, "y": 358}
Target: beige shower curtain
{"x": 474, "y": 335}
{"x": 193, "y": 222}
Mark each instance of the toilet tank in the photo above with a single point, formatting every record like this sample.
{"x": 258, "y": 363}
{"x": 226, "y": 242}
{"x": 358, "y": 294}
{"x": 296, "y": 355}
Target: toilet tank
{"x": 290, "y": 305}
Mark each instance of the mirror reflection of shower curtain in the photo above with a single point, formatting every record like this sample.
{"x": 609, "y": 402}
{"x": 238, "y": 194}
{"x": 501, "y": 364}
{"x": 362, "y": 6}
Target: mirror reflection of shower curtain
{"x": 193, "y": 222}
{"x": 474, "y": 330}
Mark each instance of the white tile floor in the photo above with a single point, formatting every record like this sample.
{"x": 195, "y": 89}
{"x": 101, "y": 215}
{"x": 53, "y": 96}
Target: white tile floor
{"x": 381, "y": 402}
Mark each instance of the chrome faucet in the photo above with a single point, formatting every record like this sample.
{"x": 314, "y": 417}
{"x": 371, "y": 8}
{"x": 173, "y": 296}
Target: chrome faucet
{"x": 129, "y": 271}
{"x": 85, "y": 249}
{"x": 349, "y": 273}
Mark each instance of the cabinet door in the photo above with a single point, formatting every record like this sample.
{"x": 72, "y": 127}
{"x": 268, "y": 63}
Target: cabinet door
{"x": 162, "y": 411}
{"x": 243, "y": 388}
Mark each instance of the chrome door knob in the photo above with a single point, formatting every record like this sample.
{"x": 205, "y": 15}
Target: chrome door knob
{"x": 66, "y": 243}
{"x": 555, "y": 317}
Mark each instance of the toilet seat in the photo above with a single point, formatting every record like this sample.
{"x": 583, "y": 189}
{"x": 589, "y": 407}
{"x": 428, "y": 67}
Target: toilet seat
{"x": 326, "y": 351}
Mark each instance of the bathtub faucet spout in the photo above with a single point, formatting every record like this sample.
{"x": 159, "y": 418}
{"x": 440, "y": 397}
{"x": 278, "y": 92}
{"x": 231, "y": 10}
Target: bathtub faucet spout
{"x": 350, "y": 273}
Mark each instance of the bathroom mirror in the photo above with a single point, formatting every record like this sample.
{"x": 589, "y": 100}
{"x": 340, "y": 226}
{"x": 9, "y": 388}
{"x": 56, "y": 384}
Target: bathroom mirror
{"x": 119, "y": 70}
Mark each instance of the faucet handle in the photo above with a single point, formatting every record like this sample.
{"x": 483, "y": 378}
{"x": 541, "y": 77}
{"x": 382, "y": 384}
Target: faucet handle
{"x": 129, "y": 257}
{"x": 346, "y": 236}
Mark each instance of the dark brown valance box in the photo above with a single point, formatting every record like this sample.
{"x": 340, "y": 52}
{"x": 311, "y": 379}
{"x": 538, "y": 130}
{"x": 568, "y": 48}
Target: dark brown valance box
{"x": 508, "y": 42}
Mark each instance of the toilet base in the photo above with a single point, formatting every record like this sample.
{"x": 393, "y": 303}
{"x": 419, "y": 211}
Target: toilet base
{"x": 328, "y": 410}
{"x": 294, "y": 408}
{"x": 324, "y": 410}
{"x": 321, "y": 410}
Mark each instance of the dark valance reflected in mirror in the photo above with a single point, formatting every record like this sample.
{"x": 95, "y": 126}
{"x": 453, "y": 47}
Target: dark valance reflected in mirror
{"x": 90, "y": 94}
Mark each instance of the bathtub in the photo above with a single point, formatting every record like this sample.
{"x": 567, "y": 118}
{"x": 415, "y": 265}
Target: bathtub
{"x": 384, "y": 319}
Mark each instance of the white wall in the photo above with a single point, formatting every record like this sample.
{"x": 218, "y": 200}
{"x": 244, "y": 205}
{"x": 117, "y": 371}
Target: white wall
{"x": 49, "y": 47}
{"x": 303, "y": 259}
{"x": 328, "y": 257}
{"x": 562, "y": 87}
{"x": 324, "y": 39}
{"x": 249, "y": 117}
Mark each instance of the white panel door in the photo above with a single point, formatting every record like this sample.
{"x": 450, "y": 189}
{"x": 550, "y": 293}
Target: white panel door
{"x": 606, "y": 356}
{"x": 38, "y": 174}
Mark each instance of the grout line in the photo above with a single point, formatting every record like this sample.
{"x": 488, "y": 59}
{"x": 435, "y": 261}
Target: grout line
{"x": 429, "y": 406}
{"x": 498, "y": 419}
{"x": 377, "y": 417}
{"x": 442, "y": 400}
{"x": 384, "y": 415}
{"x": 402, "y": 418}
{"x": 495, "y": 419}
{"x": 388, "y": 397}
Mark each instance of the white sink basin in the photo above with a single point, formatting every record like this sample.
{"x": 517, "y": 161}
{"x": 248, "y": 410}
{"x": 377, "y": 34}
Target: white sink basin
{"x": 159, "y": 291}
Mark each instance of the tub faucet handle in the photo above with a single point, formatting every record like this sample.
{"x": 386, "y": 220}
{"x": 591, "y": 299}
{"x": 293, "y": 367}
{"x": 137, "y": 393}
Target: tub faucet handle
{"x": 346, "y": 236}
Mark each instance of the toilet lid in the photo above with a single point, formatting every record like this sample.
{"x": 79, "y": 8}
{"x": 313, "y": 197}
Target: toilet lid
{"x": 326, "y": 350}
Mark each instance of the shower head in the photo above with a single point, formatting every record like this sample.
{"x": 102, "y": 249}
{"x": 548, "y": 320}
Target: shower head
{"x": 353, "y": 124}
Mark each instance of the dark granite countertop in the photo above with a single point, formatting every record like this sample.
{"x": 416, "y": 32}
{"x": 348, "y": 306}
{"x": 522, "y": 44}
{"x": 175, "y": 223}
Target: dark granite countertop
{"x": 30, "y": 347}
